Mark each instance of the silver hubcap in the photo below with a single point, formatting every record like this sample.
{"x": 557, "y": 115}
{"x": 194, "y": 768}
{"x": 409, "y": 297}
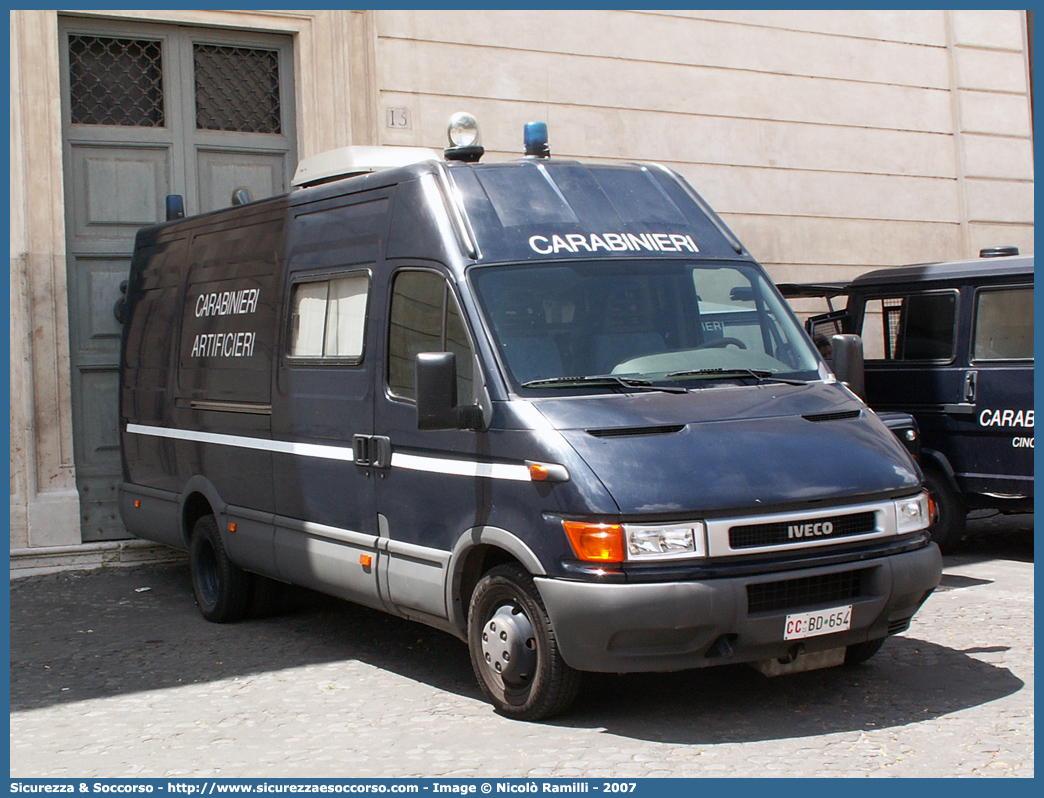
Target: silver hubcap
{"x": 509, "y": 645}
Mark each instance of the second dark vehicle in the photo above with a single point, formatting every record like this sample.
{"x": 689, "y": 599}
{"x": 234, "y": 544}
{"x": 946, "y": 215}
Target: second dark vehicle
{"x": 951, "y": 344}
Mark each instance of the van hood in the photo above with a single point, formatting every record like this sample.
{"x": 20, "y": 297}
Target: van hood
{"x": 732, "y": 448}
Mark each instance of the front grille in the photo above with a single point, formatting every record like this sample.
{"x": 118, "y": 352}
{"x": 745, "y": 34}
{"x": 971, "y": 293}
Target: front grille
{"x": 780, "y": 532}
{"x": 805, "y": 592}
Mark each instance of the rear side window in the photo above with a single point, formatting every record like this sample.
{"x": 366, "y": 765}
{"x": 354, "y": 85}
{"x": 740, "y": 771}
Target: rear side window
{"x": 328, "y": 318}
{"x": 425, "y": 317}
{"x": 1004, "y": 325}
{"x": 918, "y": 327}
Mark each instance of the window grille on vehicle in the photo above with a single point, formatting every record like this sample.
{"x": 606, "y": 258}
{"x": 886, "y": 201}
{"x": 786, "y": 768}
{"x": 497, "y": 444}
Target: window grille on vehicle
{"x": 115, "y": 81}
{"x": 778, "y": 533}
{"x": 809, "y": 591}
{"x": 237, "y": 89}
{"x": 892, "y": 309}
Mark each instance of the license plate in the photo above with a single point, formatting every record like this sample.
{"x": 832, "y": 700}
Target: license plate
{"x": 821, "y": 622}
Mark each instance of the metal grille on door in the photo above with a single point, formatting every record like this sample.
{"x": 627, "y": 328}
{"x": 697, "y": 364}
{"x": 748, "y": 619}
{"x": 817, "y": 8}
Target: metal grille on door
{"x": 237, "y": 89}
{"x": 115, "y": 81}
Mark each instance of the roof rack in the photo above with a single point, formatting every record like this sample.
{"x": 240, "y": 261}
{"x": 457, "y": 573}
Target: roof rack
{"x": 357, "y": 160}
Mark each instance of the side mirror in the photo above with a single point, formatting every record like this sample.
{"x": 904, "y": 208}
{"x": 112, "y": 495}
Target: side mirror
{"x": 437, "y": 394}
{"x": 848, "y": 362}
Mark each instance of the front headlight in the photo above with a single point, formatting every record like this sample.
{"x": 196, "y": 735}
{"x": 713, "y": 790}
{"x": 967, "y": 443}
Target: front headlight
{"x": 912, "y": 514}
{"x": 664, "y": 542}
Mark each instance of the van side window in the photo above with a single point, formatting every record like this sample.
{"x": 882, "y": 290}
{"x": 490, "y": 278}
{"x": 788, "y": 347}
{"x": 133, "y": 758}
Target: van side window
{"x": 328, "y": 318}
{"x": 425, "y": 317}
{"x": 916, "y": 327}
{"x": 1004, "y": 325}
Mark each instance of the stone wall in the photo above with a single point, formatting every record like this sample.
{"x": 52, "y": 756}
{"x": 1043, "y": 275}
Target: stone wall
{"x": 833, "y": 142}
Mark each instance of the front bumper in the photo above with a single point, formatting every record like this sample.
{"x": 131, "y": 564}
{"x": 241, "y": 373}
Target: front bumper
{"x": 667, "y": 626}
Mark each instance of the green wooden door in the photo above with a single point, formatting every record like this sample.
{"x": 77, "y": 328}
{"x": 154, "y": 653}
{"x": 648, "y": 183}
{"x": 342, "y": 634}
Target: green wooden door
{"x": 151, "y": 110}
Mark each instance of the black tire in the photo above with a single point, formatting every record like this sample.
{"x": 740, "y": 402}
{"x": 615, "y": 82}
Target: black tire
{"x": 948, "y": 531}
{"x": 861, "y": 652}
{"x": 513, "y": 648}
{"x": 222, "y": 588}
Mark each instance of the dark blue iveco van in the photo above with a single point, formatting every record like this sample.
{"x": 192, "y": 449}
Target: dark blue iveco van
{"x": 554, "y": 409}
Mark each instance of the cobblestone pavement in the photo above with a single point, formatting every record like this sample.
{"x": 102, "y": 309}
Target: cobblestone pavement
{"x": 114, "y": 673}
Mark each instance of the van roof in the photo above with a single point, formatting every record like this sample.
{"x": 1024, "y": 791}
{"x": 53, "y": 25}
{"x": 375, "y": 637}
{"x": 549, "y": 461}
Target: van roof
{"x": 976, "y": 268}
{"x": 559, "y": 208}
{"x": 537, "y": 208}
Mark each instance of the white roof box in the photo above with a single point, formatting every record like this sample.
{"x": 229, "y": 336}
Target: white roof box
{"x": 349, "y": 161}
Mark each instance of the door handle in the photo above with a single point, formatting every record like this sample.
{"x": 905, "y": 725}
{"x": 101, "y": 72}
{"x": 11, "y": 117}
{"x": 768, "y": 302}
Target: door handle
{"x": 380, "y": 451}
{"x": 361, "y": 450}
{"x": 971, "y": 381}
{"x": 372, "y": 451}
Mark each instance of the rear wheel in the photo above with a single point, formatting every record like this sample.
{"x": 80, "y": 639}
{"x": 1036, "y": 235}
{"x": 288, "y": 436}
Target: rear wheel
{"x": 948, "y": 530}
{"x": 513, "y": 647}
{"x": 222, "y": 588}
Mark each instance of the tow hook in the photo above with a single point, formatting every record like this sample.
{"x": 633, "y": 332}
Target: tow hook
{"x": 792, "y": 654}
{"x": 722, "y": 647}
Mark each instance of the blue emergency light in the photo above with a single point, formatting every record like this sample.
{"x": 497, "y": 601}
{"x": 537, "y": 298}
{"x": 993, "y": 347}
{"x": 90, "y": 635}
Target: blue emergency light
{"x": 175, "y": 207}
{"x": 536, "y": 140}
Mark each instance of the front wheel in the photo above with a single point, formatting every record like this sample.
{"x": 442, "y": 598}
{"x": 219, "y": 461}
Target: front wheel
{"x": 949, "y": 529}
{"x": 513, "y": 647}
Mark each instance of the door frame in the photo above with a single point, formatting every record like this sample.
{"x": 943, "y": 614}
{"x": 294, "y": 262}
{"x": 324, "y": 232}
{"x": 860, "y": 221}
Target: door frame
{"x": 175, "y": 149}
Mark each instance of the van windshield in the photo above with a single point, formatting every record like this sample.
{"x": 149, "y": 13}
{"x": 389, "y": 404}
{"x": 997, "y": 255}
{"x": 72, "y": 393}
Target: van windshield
{"x": 638, "y": 323}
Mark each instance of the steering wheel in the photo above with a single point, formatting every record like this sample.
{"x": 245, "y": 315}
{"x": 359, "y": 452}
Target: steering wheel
{"x": 721, "y": 343}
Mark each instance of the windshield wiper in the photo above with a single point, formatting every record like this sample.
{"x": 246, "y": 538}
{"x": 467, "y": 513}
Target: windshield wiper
{"x": 761, "y": 375}
{"x": 601, "y": 380}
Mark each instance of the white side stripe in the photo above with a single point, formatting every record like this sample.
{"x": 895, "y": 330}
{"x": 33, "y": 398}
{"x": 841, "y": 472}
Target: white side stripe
{"x": 464, "y": 468}
{"x": 243, "y": 442}
{"x": 412, "y": 462}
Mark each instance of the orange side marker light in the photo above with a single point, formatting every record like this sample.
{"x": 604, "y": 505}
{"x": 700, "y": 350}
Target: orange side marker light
{"x": 538, "y": 473}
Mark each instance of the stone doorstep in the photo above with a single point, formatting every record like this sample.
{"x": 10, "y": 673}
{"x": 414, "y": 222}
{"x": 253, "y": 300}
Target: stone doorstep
{"x": 88, "y": 557}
